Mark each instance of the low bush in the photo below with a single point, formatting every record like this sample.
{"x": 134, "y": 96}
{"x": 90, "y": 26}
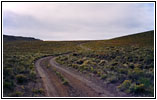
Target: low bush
{"x": 65, "y": 82}
{"x": 21, "y": 78}
{"x": 103, "y": 76}
{"x": 137, "y": 89}
{"x": 40, "y": 91}
{"x": 102, "y": 62}
{"x": 112, "y": 79}
{"x": 135, "y": 74}
{"x": 125, "y": 85}
{"x": 16, "y": 94}
{"x": 8, "y": 85}
{"x": 75, "y": 66}
{"x": 32, "y": 75}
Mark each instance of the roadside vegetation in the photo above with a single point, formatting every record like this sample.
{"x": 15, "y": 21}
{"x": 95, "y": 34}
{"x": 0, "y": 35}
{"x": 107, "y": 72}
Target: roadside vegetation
{"x": 19, "y": 73}
{"x": 129, "y": 67}
{"x": 126, "y": 62}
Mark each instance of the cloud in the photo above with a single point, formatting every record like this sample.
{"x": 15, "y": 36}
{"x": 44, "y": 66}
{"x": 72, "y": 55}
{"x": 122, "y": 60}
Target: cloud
{"x": 76, "y": 21}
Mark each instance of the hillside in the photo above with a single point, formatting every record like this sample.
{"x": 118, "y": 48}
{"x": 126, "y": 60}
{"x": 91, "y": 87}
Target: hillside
{"x": 14, "y": 38}
{"x": 143, "y": 39}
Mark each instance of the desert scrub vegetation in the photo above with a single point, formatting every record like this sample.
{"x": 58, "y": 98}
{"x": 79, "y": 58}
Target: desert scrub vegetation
{"x": 113, "y": 61}
{"x": 18, "y": 63}
{"x": 131, "y": 69}
{"x": 18, "y": 71}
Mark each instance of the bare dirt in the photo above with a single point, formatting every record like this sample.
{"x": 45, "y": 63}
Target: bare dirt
{"x": 78, "y": 85}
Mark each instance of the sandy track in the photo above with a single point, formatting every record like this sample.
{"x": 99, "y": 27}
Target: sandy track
{"x": 52, "y": 85}
{"x": 78, "y": 86}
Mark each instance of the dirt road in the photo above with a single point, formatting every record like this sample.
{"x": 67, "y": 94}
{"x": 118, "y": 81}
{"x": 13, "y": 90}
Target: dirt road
{"x": 78, "y": 86}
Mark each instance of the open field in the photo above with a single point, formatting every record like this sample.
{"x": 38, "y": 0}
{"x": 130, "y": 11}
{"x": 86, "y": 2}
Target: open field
{"x": 122, "y": 66}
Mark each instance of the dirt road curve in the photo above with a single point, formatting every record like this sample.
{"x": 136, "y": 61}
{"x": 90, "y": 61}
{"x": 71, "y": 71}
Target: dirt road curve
{"x": 78, "y": 86}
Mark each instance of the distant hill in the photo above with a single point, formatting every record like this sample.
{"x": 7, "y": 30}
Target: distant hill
{"x": 15, "y": 38}
{"x": 138, "y": 39}
{"x": 143, "y": 38}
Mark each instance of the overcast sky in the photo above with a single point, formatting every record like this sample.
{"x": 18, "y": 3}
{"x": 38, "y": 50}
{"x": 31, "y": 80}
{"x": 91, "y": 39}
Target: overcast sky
{"x": 76, "y": 21}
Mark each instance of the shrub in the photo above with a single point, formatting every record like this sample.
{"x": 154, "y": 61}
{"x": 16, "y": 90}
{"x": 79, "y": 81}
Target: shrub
{"x": 40, "y": 91}
{"x": 112, "y": 79}
{"x": 135, "y": 74}
{"x": 91, "y": 69}
{"x": 8, "y": 85}
{"x": 95, "y": 71}
{"x": 102, "y": 62}
{"x": 32, "y": 74}
{"x": 125, "y": 85}
{"x": 20, "y": 69}
{"x": 131, "y": 66}
{"x": 98, "y": 73}
{"x": 123, "y": 70}
{"x": 86, "y": 68}
{"x": 65, "y": 82}
{"x": 137, "y": 89}
{"x": 75, "y": 66}
{"x": 130, "y": 59}
{"x": 80, "y": 61}
{"x": 82, "y": 67}
{"x": 21, "y": 78}
{"x": 145, "y": 81}
{"x": 16, "y": 94}
{"x": 114, "y": 63}
{"x": 104, "y": 76}
{"x": 88, "y": 62}
{"x": 8, "y": 71}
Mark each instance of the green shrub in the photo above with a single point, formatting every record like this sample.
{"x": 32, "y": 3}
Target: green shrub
{"x": 98, "y": 73}
{"x": 112, "y": 79}
{"x": 145, "y": 81}
{"x": 16, "y": 94}
{"x": 104, "y": 76}
{"x": 102, "y": 62}
{"x": 91, "y": 69}
{"x": 8, "y": 85}
{"x": 125, "y": 85}
{"x": 131, "y": 66}
{"x": 8, "y": 71}
{"x": 82, "y": 67}
{"x": 40, "y": 91}
{"x": 95, "y": 71}
{"x": 135, "y": 74}
{"x": 114, "y": 63}
{"x": 80, "y": 61}
{"x": 137, "y": 89}
{"x": 88, "y": 62}
{"x": 65, "y": 82}
{"x": 86, "y": 68}
{"x": 21, "y": 78}
{"x": 20, "y": 69}
{"x": 32, "y": 75}
{"x": 75, "y": 66}
{"x": 123, "y": 70}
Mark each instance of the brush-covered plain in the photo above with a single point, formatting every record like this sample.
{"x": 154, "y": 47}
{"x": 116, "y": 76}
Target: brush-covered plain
{"x": 126, "y": 62}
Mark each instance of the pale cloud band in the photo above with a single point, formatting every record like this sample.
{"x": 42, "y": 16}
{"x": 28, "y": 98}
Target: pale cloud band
{"x": 76, "y": 21}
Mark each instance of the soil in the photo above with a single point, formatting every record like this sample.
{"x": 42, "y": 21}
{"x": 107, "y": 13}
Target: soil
{"x": 79, "y": 85}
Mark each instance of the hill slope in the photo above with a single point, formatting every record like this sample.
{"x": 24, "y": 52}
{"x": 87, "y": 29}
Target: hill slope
{"x": 139, "y": 39}
{"x": 144, "y": 38}
{"x": 14, "y": 38}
